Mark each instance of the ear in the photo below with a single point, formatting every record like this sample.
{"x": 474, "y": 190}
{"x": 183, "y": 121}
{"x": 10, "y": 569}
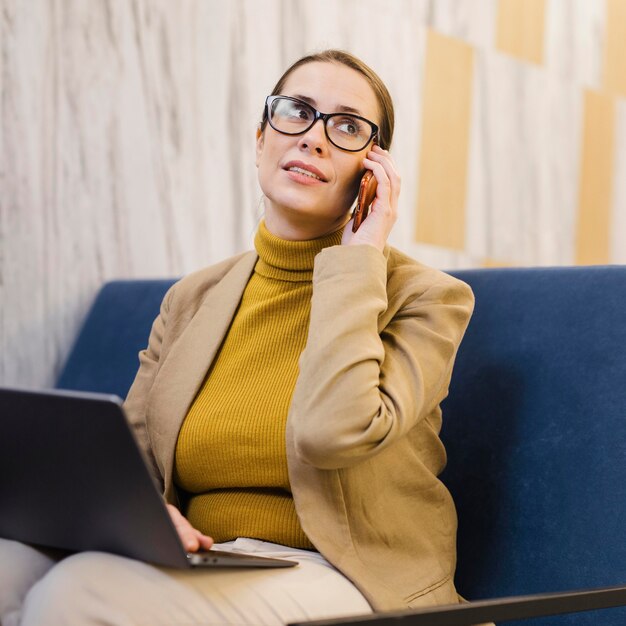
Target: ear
{"x": 259, "y": 144}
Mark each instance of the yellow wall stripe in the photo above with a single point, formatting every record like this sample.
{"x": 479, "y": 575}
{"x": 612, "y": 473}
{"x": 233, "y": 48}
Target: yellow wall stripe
{"x": 596, "y": 180}
{"x": 615, "y": 47}
{"x": 520, "y": 28}
{"x": 488, "y": 262}
{"x": 446, "y": 108}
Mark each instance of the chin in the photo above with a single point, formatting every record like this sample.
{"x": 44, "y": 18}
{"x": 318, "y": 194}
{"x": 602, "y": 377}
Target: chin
{"x": 306, "y": 212}
{"x": 297, "y": 204}
{"x": 293, "y": 203}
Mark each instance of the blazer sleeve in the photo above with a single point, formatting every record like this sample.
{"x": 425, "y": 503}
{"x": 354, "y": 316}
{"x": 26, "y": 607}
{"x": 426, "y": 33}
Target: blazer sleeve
{"x": 374, "y": 366}
{"x": 135, "y": 405}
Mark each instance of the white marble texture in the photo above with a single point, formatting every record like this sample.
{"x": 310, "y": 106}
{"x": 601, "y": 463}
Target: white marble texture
{"x": 127, "y": 134}
{"x": 473, "y": 21}
{"x": 574, "y": 40}
{"x": 128, "y": 141}
{"x": 525, "y": 150}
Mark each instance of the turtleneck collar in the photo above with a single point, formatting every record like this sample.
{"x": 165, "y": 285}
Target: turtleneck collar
{"x": 289, "y": 260}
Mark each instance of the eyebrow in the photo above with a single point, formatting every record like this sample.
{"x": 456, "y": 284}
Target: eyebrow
{"x": 342, "y": 107}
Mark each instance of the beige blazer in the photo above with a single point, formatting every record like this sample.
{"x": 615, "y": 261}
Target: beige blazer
{"x": 362, "y": 438}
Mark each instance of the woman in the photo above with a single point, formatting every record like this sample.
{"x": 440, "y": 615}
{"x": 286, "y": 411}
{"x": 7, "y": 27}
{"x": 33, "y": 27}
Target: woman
{"x": 288, "y": 400}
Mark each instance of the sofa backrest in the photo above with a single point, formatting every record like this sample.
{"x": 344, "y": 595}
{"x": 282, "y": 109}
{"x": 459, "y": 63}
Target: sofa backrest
{"x": 535, "y": 430}
{"x": 534, "y": 426}
{"x": 104, "y": 357}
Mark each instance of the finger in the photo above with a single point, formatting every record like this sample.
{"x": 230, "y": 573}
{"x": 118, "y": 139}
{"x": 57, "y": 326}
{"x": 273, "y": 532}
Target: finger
{"x": 384, "y": 158}
{"x": 376, "y": 149}
{"x": 188, "y": 538}
{"x": 392, "y": 175}
{"x": 204, "y": 540}
{"x": 379, "y": 170}
{"x": 188, "y": 535}
{"x": 384, "y": 184}
{"x": 191, "y": 538}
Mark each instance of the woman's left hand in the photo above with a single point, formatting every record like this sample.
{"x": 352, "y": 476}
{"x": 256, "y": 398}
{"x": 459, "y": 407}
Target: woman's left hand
{"x": 383, "y": 213}
{"x": 191, "y": 537}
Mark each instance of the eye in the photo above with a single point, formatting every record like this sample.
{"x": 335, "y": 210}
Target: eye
{"x": 348, "y": 125}
{"x": 298, "y": 111}
{"x": 304, "y": 114}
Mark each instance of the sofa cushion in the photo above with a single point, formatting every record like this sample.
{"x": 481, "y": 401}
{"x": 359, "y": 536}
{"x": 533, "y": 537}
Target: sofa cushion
{"x": 535, "y": 429}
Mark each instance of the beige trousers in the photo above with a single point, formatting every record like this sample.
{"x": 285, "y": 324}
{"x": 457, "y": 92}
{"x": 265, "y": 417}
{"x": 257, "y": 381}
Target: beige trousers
{"x": 40, "y": 588}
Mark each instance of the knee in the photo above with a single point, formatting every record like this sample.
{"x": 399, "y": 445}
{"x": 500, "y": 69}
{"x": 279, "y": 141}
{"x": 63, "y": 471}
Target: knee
{"x": 71, "y": 592}
{"x": 21, "y": 566}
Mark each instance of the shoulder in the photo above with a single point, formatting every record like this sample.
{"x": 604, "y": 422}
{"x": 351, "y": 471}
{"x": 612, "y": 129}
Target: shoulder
{"x": 190, "y": 291}
{"x": 413, "y": 282}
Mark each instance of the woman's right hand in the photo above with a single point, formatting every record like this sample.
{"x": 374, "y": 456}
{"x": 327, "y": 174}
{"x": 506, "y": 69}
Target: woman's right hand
{"x": 384, "y": 210}
{"x": 193, "y": 540}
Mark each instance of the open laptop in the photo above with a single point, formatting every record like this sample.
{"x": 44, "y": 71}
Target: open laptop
{"x": 73, "y": 477}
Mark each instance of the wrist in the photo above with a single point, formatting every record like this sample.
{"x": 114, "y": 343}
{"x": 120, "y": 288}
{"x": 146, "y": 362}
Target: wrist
{"x": 366, "y": 241}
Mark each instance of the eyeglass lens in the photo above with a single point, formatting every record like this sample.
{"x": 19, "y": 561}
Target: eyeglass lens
{"x": 344, "y": 130}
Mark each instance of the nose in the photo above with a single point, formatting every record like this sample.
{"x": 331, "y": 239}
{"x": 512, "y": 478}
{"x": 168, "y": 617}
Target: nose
{"x": 315, "y": 138}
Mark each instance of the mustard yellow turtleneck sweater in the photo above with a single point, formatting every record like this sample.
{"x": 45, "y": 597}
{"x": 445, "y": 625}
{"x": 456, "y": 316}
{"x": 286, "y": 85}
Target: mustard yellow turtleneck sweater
{"x": 230, "y": 455}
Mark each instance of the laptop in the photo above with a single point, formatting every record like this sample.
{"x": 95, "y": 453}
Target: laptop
{"x": 73, "y": 477}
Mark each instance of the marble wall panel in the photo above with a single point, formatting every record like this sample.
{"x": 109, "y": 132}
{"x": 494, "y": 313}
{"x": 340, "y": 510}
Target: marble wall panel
{"x": 574, "y": 40}
{"x": 127, "y": 135}
{"x": 472, "y": 21}
{"x": 524, "y": 158}
{"x": 28, "y": 290}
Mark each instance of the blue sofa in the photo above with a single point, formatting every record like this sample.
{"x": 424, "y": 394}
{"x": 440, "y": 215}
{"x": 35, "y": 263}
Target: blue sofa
{"x": 534, "y": 426}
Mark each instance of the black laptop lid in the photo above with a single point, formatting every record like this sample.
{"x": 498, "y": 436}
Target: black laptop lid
{"x": 56, "y": 445}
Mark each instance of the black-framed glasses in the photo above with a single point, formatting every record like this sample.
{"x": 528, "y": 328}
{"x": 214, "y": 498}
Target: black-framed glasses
{"x": 346, "y": 131}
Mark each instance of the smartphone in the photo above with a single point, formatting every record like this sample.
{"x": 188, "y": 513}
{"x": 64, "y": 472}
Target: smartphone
{"x": 367, "y": 193}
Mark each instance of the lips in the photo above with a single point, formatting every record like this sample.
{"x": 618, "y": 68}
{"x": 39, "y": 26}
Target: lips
{"x": 300, "y": 165}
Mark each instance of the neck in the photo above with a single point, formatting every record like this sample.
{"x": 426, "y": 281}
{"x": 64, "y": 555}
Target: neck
{"x": 302, "y": 227}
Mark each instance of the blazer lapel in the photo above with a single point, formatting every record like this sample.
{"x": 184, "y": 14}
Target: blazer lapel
{"x": 186, "y": 365}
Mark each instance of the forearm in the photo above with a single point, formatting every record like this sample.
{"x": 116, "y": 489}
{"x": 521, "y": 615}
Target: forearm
{"x": 370, "y": 373}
